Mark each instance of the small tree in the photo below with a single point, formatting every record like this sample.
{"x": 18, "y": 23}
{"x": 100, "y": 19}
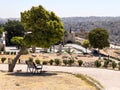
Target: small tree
{"x": 97, "y": 63}
{"x": 70, "y": 62}
{"x": 3, "y": 59}
{"x": 106, "y": 62}
{"x": 57, "y": 61}
{"x": 30, "y": 59}
{"x": 98, "y": 38}
{"x": 65, "y": 62}
{"x": 51, "y": 62}
{"x": 114, "y": 64}
{"x": 45, "y": 62}
{"x": 80, "y": 62}
{"x": 37, "y": 61}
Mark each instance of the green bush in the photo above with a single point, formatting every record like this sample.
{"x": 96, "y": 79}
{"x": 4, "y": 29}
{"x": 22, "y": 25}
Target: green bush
{"x": 14, "y": 53}
{"x": 114, "y": 64}
{"x": 44, "y": 62}
{"x": 70, "y": 62}
{"x": 65, "y": 62}
{"x": 97, "y": 63}
{"x": 30, "y": 59}
{"x": 51, "y": 62}
{"x": 106, "y": 63}
{"x": 57, "y": 61}
{"x": 3, "y": 59}
{"x": 7, "y": 53}
{"x": 80, "y": 62}
{"x": 37, "y": 61}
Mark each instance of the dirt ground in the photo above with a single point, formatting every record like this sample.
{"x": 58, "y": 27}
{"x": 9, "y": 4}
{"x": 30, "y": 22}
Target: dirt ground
{"x": 43, "y": 81}
{"x": 47, "y": 57}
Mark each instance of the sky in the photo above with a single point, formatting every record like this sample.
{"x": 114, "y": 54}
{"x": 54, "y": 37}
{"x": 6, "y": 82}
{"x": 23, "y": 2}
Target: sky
{"x": 62, "y": 8}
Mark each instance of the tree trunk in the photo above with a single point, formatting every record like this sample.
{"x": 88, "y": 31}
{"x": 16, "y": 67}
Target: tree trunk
{"x": 99, "y": 54}
{"x": 33, "y": 49}
{"x": 13, "y": 63}
{"x": 54, "y": 48}
{"x": 45, "y": 50}
{"x": 60, "y": 48}
{"x": 86, "y": 50}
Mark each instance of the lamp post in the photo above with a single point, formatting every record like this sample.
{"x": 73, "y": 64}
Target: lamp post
{"x": 3, "y": 40}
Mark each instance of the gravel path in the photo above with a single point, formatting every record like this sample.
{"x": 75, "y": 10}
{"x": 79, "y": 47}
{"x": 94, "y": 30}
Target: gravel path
{"x": 110, "y": 79}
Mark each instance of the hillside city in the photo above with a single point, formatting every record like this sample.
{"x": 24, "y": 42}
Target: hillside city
{"x": 42, "y": 51}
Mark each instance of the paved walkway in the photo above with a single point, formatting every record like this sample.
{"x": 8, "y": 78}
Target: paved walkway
{"x": 110, "y": 79}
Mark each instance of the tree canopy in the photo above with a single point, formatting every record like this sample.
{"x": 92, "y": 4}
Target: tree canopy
{"x": 1, "y": 30}
{"x": 13, "y": 28}
{"x": 45, "y": 27}
{"x": 98, "y": 38}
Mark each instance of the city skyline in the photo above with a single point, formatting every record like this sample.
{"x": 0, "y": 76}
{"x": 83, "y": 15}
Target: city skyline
{"x": 62, "y": 8}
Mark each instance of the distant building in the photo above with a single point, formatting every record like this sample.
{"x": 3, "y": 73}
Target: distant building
{"x": 69, "y": 37}
{"x": 72, "y": 37}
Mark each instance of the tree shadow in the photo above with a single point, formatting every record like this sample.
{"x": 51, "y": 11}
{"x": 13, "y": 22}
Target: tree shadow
{"x": 28, "y": 74}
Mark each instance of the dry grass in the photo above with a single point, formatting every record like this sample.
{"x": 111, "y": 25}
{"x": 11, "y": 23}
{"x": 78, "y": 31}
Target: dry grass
{"x": 43, "y": 81}
{"x": 47, "y": 57}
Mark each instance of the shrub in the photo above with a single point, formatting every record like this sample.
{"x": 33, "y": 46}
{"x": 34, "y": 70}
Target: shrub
{"x": 97, "y": 63}
{"x": 44, "y": 62}
{"x": 70, "y": 62}
{"x": 51, "y": 62}
{"x": 106, "y": 63}
{"x": 65, "y": 62}
{"x": 57, "y": 61}
{"x": 80, "y": 62}
{"x": 114, "y": 64}
{"x": 3, "y": 59}
{"x": 119, "y": 65}
{"x": 7, "y": 53}
{"x": 37, "y": 61}
{"x": 12, "y": 53}
{"x": 30, "y": 59}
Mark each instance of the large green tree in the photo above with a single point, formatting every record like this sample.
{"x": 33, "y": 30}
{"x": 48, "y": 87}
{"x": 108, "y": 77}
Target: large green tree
{"x": 98, "y": 38}
{"x": 43, "y": 29}
{"x": 13, "y": 28}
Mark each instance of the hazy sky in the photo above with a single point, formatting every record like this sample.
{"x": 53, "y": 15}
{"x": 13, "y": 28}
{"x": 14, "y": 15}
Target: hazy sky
{"x": 63, "y": 8}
